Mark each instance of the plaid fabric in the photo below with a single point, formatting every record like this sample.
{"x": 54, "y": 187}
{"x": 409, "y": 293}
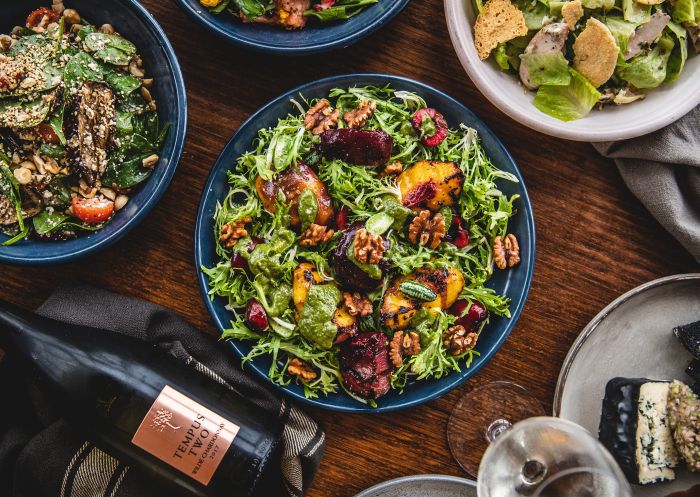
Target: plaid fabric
{"x": 41, "y": 456}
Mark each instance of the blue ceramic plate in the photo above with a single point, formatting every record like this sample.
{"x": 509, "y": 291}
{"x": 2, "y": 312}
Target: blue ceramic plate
{"x": 136, "y": 24}
{"x": 314, "y": 38}
{"x": 515, "y": 282}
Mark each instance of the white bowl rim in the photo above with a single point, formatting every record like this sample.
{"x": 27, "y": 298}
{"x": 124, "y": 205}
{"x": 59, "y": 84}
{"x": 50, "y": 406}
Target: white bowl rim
{"x": 579, "y": 130}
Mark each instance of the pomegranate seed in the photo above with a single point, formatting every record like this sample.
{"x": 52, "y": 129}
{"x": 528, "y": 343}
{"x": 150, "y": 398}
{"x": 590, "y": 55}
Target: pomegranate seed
{"x": 255, "y": 316}
{"x": 461, "y": 240}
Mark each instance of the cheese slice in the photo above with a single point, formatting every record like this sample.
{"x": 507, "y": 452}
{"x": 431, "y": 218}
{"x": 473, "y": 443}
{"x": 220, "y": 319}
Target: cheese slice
{"x": 656, "y": 454}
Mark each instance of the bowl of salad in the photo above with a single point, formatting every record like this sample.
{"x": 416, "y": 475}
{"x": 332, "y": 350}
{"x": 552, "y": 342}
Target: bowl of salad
{"x": 293, "y": 27}
{"x": 92, "y": 122}
{"x": 588, "y": 70}
{"x": 365, "y": 243}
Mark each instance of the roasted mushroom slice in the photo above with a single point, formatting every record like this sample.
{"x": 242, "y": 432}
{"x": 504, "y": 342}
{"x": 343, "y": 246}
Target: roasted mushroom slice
{"x": 90, "y": 126}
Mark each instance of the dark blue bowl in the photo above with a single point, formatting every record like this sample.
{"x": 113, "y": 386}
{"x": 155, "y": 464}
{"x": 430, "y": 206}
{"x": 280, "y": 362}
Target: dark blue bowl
{"x": 136, "y": 24}
{"x": 316, "y": 37}
{"x": 515, "y": 282}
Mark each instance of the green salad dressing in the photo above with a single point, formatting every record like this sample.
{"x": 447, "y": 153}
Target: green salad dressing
{"x": 265, "y": 259}
{"x": 308, "y": 208}
{"x": 315, "y": 323}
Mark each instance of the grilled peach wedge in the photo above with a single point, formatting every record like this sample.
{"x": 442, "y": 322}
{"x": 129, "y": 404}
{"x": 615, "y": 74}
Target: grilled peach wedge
{"x": 306, "y": 275}
{"x": 398, "y": 308}
{"x": 431, "y": 184}
{"x": 293, "y": 182}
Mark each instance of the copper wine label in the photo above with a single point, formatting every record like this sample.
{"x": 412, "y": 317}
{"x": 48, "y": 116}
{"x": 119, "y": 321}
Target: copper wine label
{"x": 185, "y": 434}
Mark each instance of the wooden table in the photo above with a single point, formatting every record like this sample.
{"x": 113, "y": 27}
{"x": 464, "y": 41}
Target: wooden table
{"x": 594, "y": 240}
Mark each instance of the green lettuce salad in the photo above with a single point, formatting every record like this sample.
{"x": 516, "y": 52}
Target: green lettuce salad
{"x": 355, "y": 243}
{"x": 581, "y": 54}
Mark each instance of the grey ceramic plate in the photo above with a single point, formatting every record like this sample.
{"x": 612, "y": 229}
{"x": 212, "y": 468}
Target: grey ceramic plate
{"x": 423, "y": 486}
{"x": 631, "y": 337}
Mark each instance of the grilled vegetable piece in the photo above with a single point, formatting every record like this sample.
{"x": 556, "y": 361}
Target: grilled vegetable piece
{"x": 306, "y": 275}
{"x": 351, "y": 273}
{"x": 292, "y": 182}
{"x": 365, "y": 365}
{"x": 431, "y": 184}
{"x": 90, "y": 127}
{"x": 357, "y": 146}
{"x": 633, "y": 427}
{"x": 398, "y": 309}
{"x": 689, "y": 335}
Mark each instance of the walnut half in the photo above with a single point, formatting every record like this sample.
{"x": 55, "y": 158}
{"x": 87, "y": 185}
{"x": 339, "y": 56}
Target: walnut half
{"x": 356, "y": 304}
{"x": 315, "y": 235}
{"x": 320, "y": 117}
{"x": 403, "y": 344}
{"x": 506, "y": 252}
{"x": 358, "y": 118}
{"x": 301, "y": 370}
{"x": 458, "y": 341}
{"x": 427, "y": 231}
{"x": 231, "y": 232}
{"x": 369, "y": 248}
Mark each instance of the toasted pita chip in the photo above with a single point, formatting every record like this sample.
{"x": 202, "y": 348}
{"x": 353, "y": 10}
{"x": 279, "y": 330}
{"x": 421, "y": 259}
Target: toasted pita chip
{"x": 499, "y": 22}
{"x": 572, "y": 12}
{"x": 595, "y": 52}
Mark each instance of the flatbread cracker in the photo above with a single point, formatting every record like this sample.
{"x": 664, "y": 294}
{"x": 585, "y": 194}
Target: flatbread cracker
{"x": 572, "y": 12}
{"x": 595, "y": 52}
{"x": 499, "y": 22}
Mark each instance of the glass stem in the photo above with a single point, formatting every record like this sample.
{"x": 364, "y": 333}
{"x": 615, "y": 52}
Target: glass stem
{"x": 496, "y": 429}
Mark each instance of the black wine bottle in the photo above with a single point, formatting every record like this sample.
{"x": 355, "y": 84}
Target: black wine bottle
{"x": 186, "y": 431}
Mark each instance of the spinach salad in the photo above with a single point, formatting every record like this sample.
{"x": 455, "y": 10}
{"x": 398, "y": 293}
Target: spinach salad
{"x": 355, "y": 242}
{"x": 289, "y": 14}
{"x": 78, "y": 126}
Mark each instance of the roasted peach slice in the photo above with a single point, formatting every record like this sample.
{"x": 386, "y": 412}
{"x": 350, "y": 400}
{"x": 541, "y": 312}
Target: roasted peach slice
{"x": 293, "y": 182}
{"x": 398, "y": 308}
{"x": 431, "y": 184}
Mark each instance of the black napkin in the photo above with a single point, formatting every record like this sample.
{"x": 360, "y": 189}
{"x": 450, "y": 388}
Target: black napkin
{"x": 42, "y": 457}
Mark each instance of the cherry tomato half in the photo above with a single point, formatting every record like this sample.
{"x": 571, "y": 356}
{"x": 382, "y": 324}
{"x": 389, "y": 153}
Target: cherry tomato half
{"x": 92, "y": 210}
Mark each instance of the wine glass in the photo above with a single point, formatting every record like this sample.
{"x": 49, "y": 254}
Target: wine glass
{"x": 549, "y": 457}
{"x": 483, "y": 414}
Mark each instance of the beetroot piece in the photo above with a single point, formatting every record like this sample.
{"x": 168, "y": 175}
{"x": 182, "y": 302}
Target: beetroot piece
{"x": 346, "y": 271}
{"x": 256, "y": 317}
{"x": 441, "y": 129}
{"x": 365, "y": 365}
{"x": 420, "y": 194}
{"x": 357, "y": 146}
{"x": 469, "y": 316}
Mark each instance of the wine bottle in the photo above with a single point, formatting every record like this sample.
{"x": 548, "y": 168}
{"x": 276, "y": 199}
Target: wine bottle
{"x": 136, "y": 402}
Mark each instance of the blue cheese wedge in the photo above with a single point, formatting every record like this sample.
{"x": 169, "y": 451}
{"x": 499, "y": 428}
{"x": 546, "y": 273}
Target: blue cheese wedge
{"x": 634, "y": 427}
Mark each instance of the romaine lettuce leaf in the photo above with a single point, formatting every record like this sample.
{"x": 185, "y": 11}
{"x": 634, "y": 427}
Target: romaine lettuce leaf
{"x": 622, "y": 31}
{"x": 535, "y": 13}
{"x": 570, "y": 102}
{"x": 635, "y": 12}
{"x": 501, "y": 57}
{"x": 598, "y": 4}
{"x": 549, "y": 68}
{"x": 679, "y": 53}
{"x": 684, "y": 11}
{"x": 649, "y": 70}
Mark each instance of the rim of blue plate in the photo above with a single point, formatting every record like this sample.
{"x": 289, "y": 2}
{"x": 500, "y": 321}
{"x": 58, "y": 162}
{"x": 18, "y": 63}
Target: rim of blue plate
{"x": 157, "y": 190}
{"x": 203, "y": 231}
{"x": 205, "y": 19}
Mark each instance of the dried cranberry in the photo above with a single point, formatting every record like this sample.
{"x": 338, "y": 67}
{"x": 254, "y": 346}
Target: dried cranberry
{"x": 469, "y": 316}
{"x": 441, "y": 129}
{"x": 255, "y": 316}
{"x": 420, "y": 194}
{"x": 341, "y": 219}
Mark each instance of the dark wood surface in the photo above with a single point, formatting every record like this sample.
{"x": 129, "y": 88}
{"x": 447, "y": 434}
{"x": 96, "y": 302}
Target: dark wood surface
{"x": 594, "y": 239}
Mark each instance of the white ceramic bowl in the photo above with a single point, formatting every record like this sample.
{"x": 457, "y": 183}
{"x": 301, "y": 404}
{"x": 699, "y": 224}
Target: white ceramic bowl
{"x": 661, "y": 106}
